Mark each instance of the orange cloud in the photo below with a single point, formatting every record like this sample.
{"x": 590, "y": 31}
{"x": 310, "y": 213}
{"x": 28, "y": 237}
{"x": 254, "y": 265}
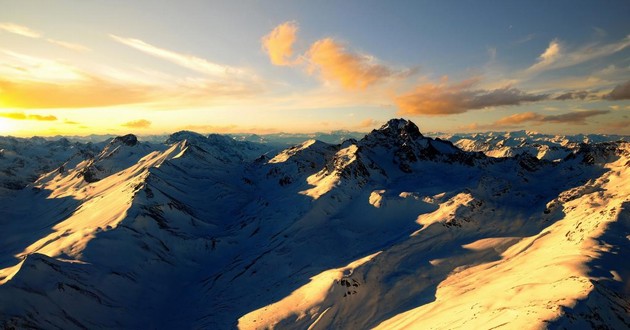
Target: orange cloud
{"x": 23, "y": 116}
{"x": 368, "y": 123}
{"x": 444, "y": 99}
{"x": 278, "y": 44}
{"x": 519, "y": 118}
{"x": 352, "y": 71}
{"x": 140, "y": 123}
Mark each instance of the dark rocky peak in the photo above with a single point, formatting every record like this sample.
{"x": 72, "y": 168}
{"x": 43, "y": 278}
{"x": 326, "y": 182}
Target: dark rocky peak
{"x": 128, "y": 140}
{"x": 397, "y": 131}
{"x": 402, "y": 128}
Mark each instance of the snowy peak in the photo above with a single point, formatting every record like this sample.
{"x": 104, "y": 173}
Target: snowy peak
{"x": 304, "y": 150}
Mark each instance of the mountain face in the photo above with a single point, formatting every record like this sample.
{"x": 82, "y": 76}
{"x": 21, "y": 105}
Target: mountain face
{"x": 393, "y": 230}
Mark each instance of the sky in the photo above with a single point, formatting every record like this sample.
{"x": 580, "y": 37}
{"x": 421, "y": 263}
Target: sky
{"x": 153, "y": 67}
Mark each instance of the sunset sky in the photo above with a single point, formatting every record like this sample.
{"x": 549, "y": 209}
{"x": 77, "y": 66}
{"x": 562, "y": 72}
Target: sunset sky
{"x": 152, "y": 67}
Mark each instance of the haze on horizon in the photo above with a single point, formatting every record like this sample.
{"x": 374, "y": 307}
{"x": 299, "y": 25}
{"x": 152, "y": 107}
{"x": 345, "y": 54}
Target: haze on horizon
{"x": 148, "y": 67}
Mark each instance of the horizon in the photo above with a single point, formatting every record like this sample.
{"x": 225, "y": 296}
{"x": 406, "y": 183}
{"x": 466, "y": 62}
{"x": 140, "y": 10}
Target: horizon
{"x": 142, "y": 136}
{"x": 302, "y": 68}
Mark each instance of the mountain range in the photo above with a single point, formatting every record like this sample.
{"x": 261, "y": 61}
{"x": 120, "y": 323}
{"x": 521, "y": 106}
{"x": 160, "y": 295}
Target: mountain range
{"x": 391, "y": 230}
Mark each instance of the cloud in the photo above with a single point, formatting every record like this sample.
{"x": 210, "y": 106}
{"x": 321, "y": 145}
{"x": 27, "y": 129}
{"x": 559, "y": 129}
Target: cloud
{"x": 525, "y": 39}
{"x": 556, "y": 57}
{"x": 519, "y": 118}
{"x": 188, "y": 61}
{"x": 335, "y": 63}
{"x": 23, "y": 116}
{"x": 533, "y": 118}
{"x": 19, "y": 30}
{"x": 444, "y": 99}
{"x": 278, "y": 44}
{"x": 550, "y": 56}
{"x": 580, "y": 95}
{"x": 27, "y": 32}
{"x": 140, "y": 123}
{"x": 70, "y": 122}
{"x": 69, "y": 45}
{"x": 620, "y": 92}
{"x": 93, "y": 92}
{"x": 576, "y": 117}
{"x": 31, "y": 82}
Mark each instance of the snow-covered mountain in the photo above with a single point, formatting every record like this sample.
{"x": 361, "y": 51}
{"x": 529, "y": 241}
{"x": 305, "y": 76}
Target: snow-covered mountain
{"x": 393, "y": 230}
{"x": 541, "y": 146}
{"x": 22, "y": 160}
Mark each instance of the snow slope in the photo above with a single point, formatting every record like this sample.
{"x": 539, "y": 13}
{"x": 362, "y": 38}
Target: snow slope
{"x": 395, "y": 230}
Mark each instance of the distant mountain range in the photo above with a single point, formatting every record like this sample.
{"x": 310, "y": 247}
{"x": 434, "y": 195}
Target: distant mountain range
{"x": 391, "y": 229}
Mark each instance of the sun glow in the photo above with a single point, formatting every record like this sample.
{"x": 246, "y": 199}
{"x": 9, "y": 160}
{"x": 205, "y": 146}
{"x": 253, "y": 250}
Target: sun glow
{"x": 6, "y": 126}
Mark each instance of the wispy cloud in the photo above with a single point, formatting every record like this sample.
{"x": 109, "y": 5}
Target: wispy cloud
{"x": 620, "y": 92}
{"x": 278, "y": 44}
{"x": 525, "y": 39}
{"x": 335, "y": 63}
{"x": 191, "y": 62}
{"x": 33, "y": 82}
{"x": 23, "y": 116}
{"x": 140, "y": 123}
{"x": 19, "y": 30}
{"x": 556, "y": 56}
{"x": 447, "y": 99}
{"x": 30, "y": 33}
{"x": 69, "y": 45}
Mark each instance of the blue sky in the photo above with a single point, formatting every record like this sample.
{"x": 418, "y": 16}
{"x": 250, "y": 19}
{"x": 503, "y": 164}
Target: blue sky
{"x": 85, "y": 67}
